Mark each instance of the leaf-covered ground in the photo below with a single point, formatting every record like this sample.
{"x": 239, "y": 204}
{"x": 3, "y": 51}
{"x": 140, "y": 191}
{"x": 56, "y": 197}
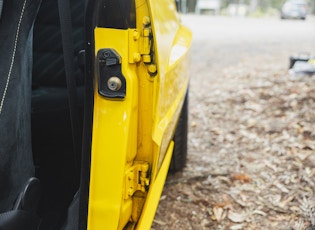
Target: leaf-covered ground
{"x": 251, "y": 159}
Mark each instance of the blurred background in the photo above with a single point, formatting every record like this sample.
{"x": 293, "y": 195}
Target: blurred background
{"x": 252, "y": 8}
{"x": 251, "y": 145}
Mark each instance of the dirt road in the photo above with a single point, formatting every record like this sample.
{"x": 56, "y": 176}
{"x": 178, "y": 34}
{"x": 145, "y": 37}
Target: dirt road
{"x": 251, "y": 162}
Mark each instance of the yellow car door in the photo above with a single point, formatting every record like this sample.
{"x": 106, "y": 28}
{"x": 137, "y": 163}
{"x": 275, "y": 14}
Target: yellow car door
{"x": 139, "y": 77}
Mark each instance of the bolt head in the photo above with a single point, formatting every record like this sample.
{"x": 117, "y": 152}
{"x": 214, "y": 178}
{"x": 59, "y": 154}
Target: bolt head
{"x": 106, "y": 54}
{"x": 135, "y": 35}
{"x": 152, "y": 68}
{"x": 136, "y": 57}
{"x": 114, "y": 83}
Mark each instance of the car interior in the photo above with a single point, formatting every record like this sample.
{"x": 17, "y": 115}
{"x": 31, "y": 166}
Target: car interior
{"x": 39, "y": 167}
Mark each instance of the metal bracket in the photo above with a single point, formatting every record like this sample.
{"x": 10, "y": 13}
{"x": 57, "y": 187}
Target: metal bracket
{"x": 111, "y": 81}
{"x": 140, "y": 46}
{"x": 136, "y": 179}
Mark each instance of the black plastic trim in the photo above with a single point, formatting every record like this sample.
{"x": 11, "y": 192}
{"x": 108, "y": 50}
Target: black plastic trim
{"x": 109, "y": 65}
{"x": 88, "y": 113}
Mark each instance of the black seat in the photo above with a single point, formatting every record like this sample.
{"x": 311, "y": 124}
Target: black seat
{"x": 48, "y": 66}
{"x": 49, "y": 94}
{"x": 19, "y": 190}
{"x": 51, "y": 125}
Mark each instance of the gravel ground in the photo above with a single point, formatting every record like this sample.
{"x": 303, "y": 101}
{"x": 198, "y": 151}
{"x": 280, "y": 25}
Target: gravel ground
{"x": 251, "y": 129}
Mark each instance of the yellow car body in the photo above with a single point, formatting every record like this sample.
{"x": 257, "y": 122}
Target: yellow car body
{"x": 93, "y": 105}
{"x": 133, "y": 136}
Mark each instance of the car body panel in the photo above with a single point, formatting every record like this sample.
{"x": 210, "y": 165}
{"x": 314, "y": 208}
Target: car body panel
{"x": 172, "y": 53}
{"x": 132, "y": 136}
{"x": 113, "y": 141}
{"x": 154, "y": 194}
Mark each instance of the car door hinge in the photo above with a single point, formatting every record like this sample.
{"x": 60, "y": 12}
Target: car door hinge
{"x": 141, "y": 46}
{"x": 136, "y": 179}
{"x": 145, "y": 44}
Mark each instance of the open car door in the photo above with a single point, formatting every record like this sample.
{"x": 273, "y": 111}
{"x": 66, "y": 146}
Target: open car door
{"x": 94, "y": 109}
{"x": 141, "y": 81}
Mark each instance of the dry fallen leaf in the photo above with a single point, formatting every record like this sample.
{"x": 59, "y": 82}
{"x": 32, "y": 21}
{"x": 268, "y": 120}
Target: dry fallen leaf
{"x": 259, "y": 212}
{"x": 237, "y": 217}
{"x": 219, "y": 213}
{"x": 159, "y": 222}
{"x": 237, "y": 227}
{"x": 241, "y": 177}
{"x": 221, "y": 205}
